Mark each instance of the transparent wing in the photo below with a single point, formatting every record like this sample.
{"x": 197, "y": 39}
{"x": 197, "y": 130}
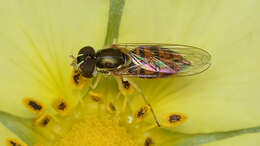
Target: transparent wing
{"x": 198, "y": 59}
{"x": 152, "y": 63}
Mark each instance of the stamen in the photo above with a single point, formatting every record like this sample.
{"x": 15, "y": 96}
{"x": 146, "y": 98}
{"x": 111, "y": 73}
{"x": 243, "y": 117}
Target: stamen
{"x": 126, "y": 84}
{"x": 78, "y": 80}
{"x": 14, "y": 142}
{"x": 43, "y": 120}
{"x": 149, "y": 142}
{"x": 125, "y": 87}
{"x": 174, "y": 119}
{"x": 142, "y": 113}
{"x": 61, "y": 106}
{"x": 96, "y": 97}
{"x": 111, "y": 108}
{"x": 33, "y": 105}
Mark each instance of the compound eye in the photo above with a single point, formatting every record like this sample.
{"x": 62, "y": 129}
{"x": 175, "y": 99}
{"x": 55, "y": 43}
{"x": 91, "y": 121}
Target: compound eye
{"x": 88, "y": 67}
{"x": 84, "y": 53}
{"x": 89, "y": 51}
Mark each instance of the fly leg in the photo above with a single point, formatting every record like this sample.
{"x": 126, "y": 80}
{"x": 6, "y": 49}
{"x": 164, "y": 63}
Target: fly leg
{"x": 95, "y": 84}
{"x": 127, "y": 84}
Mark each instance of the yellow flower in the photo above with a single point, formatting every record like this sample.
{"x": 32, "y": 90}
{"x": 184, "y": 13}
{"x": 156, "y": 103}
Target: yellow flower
{"x": 36, "y": 38}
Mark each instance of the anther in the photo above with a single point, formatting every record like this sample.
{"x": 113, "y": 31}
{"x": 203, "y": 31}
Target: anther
{"x": 174, "y": 119}
{"x": 78, "y": 80}
{"x": 14, "y": 142}
{"x": 111, "y": 108}
{"x": 126, "y": 84}
{"x": 43, "y": 120}
{"x": 149, "y": 142}
{"x": 33, "y": 105}
{"x": 61, "y": 106}
{"x": 142, "y": 112}
{"x": 125, "y": 87}
{"x": 96, "y": 97}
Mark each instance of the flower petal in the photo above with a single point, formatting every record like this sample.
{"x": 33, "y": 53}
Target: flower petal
{"x": 5, "y": 133}
{"x": 21, "y": 127}
{"x": 36, "y": 40}
{"x": 242, "y": 140}
{"x": 167, "y": 138}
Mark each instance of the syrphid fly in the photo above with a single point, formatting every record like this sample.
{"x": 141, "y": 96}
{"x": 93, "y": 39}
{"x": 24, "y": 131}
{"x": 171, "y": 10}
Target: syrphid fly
{"x": 142, "y": 60}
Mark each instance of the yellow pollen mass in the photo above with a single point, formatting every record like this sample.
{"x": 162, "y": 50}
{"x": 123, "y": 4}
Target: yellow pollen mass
{"x": 94, "y": 131}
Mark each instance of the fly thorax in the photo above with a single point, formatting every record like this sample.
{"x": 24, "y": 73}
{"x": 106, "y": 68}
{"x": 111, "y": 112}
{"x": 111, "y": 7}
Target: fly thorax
{"x": 110, "y": 59}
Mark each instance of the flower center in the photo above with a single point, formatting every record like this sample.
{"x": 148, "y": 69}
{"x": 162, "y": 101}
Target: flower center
{"x": 97, "y": 131}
